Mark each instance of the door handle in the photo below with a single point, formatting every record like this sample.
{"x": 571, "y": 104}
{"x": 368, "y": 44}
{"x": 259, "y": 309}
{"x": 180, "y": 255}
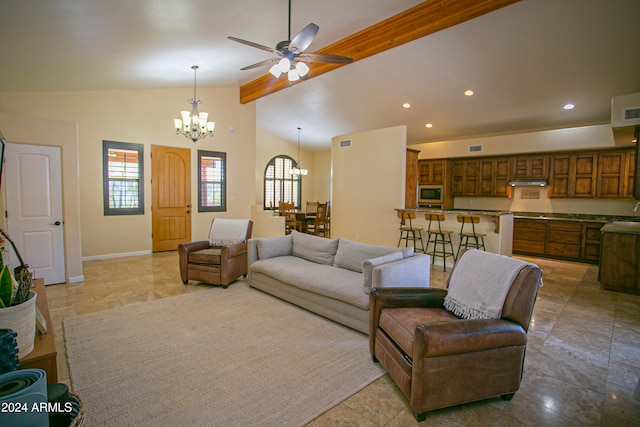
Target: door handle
{"x": 56, "y": 223}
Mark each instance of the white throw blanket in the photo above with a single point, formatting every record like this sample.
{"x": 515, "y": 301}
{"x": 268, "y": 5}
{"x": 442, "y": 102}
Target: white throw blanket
{"x": 480, "y": 283}
{"x": 226, "y": 232}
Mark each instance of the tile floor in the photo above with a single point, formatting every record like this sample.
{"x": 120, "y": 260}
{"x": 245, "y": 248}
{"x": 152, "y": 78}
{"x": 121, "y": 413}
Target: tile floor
{"x": 582, "y": 365}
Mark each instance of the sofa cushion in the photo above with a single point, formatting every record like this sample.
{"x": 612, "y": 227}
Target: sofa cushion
{"x": 313, "y": 248}
{"x": 351, "y": 255}
{"x": 369, "y": 264}
{"x": 326, "y": 280}
{"x": 206, "y": 256}
{"x": 274, "y": 246}
{"x": 401, "y": 323}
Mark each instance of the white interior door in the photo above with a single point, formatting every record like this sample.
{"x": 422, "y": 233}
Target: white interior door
{"x": 34, "y": 209}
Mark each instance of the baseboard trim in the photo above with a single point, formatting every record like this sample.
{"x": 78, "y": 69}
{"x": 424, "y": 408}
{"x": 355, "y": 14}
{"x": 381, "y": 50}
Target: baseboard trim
{"x": 75, "y": 279}
{"x": 119, "y": 255}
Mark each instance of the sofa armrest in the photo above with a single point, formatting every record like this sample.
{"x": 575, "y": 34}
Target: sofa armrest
{"x": 183, "y": 255}
{"x": 193, "y": 246}
{"x": 252, "y": 249}
{"x": 466, "y": 336}
{"x": 234, "y": 250}
{"x": 411, "y": 272}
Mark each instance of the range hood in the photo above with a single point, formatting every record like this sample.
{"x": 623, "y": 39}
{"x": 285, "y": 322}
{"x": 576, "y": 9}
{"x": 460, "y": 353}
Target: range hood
{"x": 528, "y": 182}
{"x": 625, "y": 118}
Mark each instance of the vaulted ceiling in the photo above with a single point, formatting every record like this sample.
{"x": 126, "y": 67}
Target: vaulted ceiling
{"x": 523, "y": 61}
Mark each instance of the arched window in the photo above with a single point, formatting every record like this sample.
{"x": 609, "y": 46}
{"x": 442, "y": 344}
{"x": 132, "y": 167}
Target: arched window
{"x": 279, "y": 184}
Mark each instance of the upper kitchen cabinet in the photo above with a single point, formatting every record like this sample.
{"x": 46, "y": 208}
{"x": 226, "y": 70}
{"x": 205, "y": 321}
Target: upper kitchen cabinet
{"x": 573, "y": 175}
{"x": 530, "y": 167}
{"x": 432, "y": 172}
{"x": 494, "y": 177}
{"x": 614, "y": 174}
{"x": 466, "y": 177}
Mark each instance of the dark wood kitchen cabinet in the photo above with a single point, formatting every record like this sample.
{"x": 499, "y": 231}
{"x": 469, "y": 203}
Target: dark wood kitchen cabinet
{"x": 573, "y": 175}
{"x": 558, "y": 239}
{"x": 615, "y": 174}
{"x": 620, "y": 265}
{"x": 530, "y": 167}
{"x": 466, "y": 177}
{"x": 494, "y": 177}
{"x": 411, "y": 183}
{"x": 432, "y": 172}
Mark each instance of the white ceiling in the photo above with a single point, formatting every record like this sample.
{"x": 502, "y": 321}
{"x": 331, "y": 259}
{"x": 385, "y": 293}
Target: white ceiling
{"x": 524, "y": 62}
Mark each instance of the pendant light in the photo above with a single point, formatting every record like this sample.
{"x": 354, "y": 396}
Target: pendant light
{"x": 297, "y": 171}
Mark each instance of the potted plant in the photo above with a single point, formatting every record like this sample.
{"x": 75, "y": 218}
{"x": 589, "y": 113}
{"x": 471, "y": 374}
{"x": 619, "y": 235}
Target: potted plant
{"x": 17, "y": 303}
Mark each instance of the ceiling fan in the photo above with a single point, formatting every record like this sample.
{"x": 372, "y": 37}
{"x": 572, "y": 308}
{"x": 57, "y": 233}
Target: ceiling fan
{"x": 291, "y": 58}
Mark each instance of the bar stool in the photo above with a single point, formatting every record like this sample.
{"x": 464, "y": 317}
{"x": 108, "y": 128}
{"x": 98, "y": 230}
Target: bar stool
{"x": 435, "y": 235}
{"x": 409, "y": 231}
{"x": 478, "y": 238}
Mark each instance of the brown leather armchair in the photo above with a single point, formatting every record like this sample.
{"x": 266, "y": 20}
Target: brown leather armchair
{"x": 215, "y": 264}
{"x": 437, "y": 358}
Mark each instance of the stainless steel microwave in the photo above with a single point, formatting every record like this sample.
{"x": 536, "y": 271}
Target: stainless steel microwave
{"x": 430, "y": 194}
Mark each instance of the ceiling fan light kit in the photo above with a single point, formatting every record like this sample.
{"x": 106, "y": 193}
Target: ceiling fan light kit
{"x": 291, "y": 58}
{"x": 193, "y": 124}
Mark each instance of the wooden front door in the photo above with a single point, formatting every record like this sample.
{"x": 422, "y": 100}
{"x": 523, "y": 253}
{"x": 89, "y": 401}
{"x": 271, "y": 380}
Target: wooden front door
{"x": 171, "y": 200}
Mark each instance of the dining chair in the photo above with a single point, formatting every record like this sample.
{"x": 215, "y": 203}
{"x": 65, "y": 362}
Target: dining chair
{"x": 312, "y": 206}
{"x": 318, "y": 225}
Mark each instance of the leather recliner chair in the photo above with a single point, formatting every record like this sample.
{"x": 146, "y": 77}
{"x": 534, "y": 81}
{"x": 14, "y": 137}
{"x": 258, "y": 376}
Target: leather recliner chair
{"x": 438, "y": 359}
{"x": 217, "y": 264}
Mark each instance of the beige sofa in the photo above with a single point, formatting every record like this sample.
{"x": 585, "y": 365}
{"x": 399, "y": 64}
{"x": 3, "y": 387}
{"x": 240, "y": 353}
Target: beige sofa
{"x": 332, "y": 277}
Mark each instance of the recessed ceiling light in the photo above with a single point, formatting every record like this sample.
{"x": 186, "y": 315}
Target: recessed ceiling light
{"x": 468, "y": 92}
{"x": 428, "y": 125}
{"x": 406, "y": 105}
{"x": 568, "y": 106}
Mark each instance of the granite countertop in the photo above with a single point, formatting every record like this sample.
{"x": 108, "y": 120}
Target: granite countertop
{"x": 457, "y": 211}
{"x": 575, "y": 217}
{"x": 624, "y": 227}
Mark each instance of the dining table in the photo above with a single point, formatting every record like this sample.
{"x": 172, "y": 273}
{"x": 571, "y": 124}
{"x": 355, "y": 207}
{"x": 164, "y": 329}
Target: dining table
{"x": 303, "y": 217}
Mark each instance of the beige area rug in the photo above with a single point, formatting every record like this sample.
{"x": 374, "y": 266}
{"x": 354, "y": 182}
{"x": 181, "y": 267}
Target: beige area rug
{"x": 227, "y": 357}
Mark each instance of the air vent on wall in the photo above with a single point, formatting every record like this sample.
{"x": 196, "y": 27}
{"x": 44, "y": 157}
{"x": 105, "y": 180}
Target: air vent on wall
{"x": 345, "y": 143}
{"x": 475, "y": 148}
{"x": 631, "y": 114}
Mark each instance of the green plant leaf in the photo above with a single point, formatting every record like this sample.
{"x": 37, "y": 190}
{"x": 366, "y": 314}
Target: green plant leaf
{"x": 6, "y": 286}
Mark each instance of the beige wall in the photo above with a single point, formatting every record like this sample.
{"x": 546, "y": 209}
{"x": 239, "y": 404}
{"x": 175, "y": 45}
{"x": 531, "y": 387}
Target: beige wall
{"x": 145, "y": 117}
{"x": 322, "y": 178}
{"x": 368, "y": 183}
{"x": 586, "y": 137}
{"x": 64, "y": 134}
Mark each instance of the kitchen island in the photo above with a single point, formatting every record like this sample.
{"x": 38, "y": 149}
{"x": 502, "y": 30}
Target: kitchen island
{"x": 620, "y": 262}
{"x": 497, "y": 225}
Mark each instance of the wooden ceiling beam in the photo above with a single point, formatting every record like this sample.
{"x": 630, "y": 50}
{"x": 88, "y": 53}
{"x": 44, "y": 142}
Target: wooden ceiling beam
{"x": 419, "y": 21}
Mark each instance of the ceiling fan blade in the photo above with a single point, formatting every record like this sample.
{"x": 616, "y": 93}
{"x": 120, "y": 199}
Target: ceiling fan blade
{"x": 304, "y": 38}
{"x": 260, "y": 64}
{"x": 252, "y": 44}
{"x": 325, "y": 58}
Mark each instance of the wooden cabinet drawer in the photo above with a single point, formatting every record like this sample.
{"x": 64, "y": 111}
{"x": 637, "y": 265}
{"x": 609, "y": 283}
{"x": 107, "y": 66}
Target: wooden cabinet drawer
{"x": 528, "y": 246}
{"x": 571, "y": 240}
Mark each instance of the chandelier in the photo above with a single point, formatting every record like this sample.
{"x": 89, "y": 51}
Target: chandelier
{"x": 194, "y": 125}
{"x": 297, "y": 171}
